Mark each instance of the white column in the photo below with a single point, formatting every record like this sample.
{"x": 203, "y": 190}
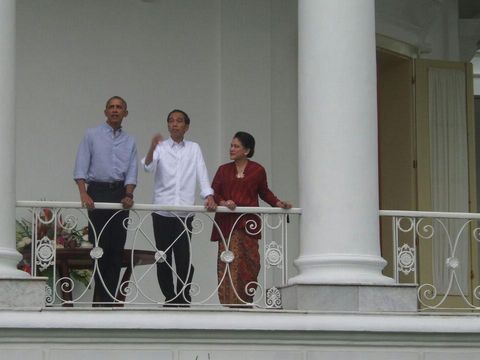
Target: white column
{"x": 338, "y": 150}
{"x": 9, "y": 256}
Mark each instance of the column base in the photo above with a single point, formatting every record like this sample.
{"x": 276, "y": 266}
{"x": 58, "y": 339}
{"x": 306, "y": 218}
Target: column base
{"x": 357, "y": 298}
{"x": 9, "y": 259}
{"x": 340, "y": 269}
{"x": 22, "y": 293}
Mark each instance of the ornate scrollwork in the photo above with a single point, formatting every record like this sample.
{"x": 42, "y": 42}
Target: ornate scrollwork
{"x": 270, "y": 226}
{"x": 128, "y": 288}
{"x": 406, "y": 259}
{"x": 405, "y": 224}
{"x": 476, "y": 292}
{"x": 452, "y": 262}
{"x": 426, "y": 292}
{"x": 476, "y": 234}
{"x": 45, "y": 216}
{"x": 424, "y": 231}
{"x": 44, "y": 255}
{"x": 254, "y": 227}
{"x": 160, "y": 256}
{"x": 273, "y": 298}
{"x": 194, "y": 289}
{"x": 130, "y": 223}
{"x": 273, "y": 254}
{"x": 96, "y": 252}
{"x": 127, "y": 223}
{"x": 69, "y": 222}
{"x": 252, "y": 288}
{"x": 197, "y": 226}
{"x": 227, "y": 256}
{"x": 49, "y": 297}
{"x": 66, "y": 284}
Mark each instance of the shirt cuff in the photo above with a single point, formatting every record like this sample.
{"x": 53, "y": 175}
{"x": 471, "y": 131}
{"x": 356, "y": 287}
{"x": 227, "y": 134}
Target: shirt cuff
{"x": 207, "y": 193}
{"x": 130, "y": 182}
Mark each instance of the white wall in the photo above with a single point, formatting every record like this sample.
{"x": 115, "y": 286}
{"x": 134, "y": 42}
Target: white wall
{"x": 73, "y": 55}
{"x": 231, "y": 65}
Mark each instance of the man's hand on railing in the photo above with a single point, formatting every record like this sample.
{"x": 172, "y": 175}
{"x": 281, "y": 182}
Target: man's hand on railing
{"x": 210, "y": 203}
{"x": 127, "y": 202}
{"x": 87, "y": 201}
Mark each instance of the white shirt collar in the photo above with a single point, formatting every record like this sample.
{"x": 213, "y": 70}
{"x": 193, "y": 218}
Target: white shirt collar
{"x": 172, "y": 143}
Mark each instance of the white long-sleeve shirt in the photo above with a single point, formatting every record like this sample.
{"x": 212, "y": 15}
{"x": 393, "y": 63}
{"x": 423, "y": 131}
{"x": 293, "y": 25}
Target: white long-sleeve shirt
{"x": 177, "y": 167}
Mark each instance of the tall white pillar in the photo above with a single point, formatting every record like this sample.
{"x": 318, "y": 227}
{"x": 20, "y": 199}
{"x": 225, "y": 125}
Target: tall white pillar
{"x": 9, "y": 257}
{"x": 17, "y": 288}
{"x": 338, "y": 150}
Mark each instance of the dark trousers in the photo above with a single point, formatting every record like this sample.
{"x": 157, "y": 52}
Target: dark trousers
{"x": 172, "y": 237}
{"x": 111, "y": 238}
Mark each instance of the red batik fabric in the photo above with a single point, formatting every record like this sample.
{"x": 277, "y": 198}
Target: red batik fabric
{"x": 238, "y": 280}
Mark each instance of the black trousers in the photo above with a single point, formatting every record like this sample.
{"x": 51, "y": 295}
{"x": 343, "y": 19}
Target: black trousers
{"x": 111, "y": 238}
{"x": 172, "y": 236}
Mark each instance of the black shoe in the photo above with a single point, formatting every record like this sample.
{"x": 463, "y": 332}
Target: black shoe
{"x": 176, "y": 302}
{"x": 170, "y": 305}
{"x": 170, "y": 302}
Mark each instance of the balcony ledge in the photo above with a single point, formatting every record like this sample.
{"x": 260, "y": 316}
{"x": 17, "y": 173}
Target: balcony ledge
{"x": 253, "y": 321}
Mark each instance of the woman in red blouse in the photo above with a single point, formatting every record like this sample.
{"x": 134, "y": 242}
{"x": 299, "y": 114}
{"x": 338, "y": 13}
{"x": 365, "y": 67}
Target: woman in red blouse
{"x": 240, "y": 183}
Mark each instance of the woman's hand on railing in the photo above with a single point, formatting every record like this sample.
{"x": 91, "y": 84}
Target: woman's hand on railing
{"x": 229, "y": 204}
{"x": 283, "y": 204}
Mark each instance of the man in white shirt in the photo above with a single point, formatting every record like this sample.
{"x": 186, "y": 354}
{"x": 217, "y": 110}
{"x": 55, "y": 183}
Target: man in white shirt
{"x": 177, "y": 165}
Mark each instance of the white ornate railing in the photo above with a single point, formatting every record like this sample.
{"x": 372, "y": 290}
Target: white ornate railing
{"x": 438, "y": 251}
{"x": 52, "y": 238}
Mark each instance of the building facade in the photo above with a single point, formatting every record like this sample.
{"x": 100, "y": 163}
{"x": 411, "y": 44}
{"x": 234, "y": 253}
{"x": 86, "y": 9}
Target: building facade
{"x": 326, "y": 87}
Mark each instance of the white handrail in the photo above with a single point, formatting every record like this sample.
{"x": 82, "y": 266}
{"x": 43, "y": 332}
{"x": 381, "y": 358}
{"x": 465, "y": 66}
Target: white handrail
{"x": 153, "y": 207}
{"x": 429, "y": 214}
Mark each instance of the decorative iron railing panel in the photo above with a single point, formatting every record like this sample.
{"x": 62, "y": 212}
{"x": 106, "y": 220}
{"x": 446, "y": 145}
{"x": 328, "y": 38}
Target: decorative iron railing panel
{"x": 53, "y": 238}
{"x": 439, "y": 252}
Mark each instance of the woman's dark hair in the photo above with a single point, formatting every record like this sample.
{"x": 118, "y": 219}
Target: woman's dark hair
{"x": 247, "y": 140}
{"x": 185, "y": 116}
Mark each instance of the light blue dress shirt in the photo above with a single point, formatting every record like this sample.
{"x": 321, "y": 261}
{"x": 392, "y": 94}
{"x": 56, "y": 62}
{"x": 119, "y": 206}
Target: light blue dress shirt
{"x": 105, "y": 156}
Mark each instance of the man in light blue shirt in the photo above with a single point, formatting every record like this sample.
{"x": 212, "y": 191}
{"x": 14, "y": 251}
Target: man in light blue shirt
{"x": 106, "y": 171}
